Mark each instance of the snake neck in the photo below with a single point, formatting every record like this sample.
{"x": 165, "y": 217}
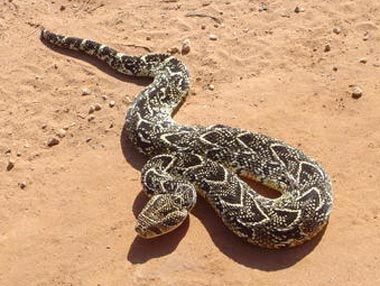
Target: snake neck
{"x": 150, "y": 115}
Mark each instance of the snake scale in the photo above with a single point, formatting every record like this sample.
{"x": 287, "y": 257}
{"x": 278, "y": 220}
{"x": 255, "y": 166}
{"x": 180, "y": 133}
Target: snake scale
{"x": 211, "y": 161}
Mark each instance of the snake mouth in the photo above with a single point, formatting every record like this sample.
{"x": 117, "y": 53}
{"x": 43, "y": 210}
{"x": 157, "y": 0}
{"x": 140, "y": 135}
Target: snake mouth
{"x": 147, "y": 231}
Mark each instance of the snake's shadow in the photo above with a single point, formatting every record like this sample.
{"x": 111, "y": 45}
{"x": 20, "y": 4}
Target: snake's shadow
{"x": 142, "y": 250}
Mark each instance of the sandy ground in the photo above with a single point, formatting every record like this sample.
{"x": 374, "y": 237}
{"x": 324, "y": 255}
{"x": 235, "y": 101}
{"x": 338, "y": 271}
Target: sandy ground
{"x": 73, "y": 223}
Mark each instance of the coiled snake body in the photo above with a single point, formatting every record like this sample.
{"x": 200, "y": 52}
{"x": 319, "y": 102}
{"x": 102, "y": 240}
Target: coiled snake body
{"x": 190, "y": 160}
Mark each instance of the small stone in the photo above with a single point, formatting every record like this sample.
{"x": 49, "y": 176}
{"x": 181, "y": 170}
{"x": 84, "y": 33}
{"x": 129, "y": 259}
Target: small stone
{"x": 213, "y": 37}
{"x": 203, "y": 26}
{"x": 335, "y": 69}
{"x": 61, "y": 133}
{"x": 8, "y": 151}
{"x": 97, "y": 106}
{"x": 91, "y": 118}
{"x": 62, "y": 8}
{"x": 22, "y": 185}
{"x": 327, "y": 48}
{"x": 363, "y": 60}
{"x": 43, "y": 126}
{"x": 337, "y": 30}
{"x": 11, "y": 164}
{"x": 89, "y": 139}
{"x": 173, "y": 50}
{"x": 86, "y": 91}
{"x": 299, "y": 9}
{"x": 112, "y": 103}
{"x": 52, "y": 141}
{"x": 366, "y": 36}
{"x": 148, "y": 38}
{"x": 285, "y": 15}
{"x": 263, "y": 7}
{"x": 104, "y": 97}
{"x": 357, "y": 92}
{"x": 185, "y": 47}
{"x": 18, "y": 154}
{"x": 211, "y": 87}
{"x": 91, "y": 109}
{"x": 66, "y": 127}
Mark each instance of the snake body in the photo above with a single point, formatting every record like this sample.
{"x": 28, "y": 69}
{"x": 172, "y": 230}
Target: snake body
{"x": 211, "y": 161}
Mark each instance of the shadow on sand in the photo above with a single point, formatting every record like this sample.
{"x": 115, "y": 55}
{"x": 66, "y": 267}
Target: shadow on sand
{"x": 142, "y": 250}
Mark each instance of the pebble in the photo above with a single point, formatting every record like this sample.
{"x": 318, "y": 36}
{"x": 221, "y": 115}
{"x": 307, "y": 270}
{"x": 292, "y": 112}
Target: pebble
{"x": 263, "y": 7}
{"x": 299, "y": 9}
{"x": 203, "y": 26}
{"x": 66, "y": 127}
{"x": 104, "y": 97}
{"x": 62, "y": 8}
{"x": 61, "y": 133}
{"x": 335, "y": 69}
{"x": 327, "y": 48}
{"x": 285, "y": 15}
{"x": 357, "y": 92}
{"x": 97, "y": 106}
{"x": 11, "y": 164}
{"x": 211, "y": 87}
{"x": 22, "y": 185}
{"x": 185, "y": 47}
{"x": 112, "y": 103}
{"x": 88, "y": 139}
{"x": 363, "y": 60}
{"x": 366, "y": 36}
{"x": 91, "y": 118}
{"x": 86, "y": 91}
{"x": 213, "y": 37}
{"x": 52, "y": 141}
{"x": 337, "y": 30}
{"x": 43, "y": 126}
{"x": 173, "y": 50}
{"x": 91, "y": 109}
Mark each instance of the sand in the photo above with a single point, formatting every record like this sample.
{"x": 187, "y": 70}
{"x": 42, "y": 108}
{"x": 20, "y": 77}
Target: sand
{"x": 72, "y": 222}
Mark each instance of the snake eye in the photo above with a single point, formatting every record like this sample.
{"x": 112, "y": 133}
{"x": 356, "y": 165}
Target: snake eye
{"x": 178, "y": 201}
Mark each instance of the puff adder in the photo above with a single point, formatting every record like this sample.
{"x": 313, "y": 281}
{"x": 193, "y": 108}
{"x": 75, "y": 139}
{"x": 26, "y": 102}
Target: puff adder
{"x": 186, "y": 161}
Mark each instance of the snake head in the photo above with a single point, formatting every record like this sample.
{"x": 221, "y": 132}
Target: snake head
{"x": 165, "y": 212}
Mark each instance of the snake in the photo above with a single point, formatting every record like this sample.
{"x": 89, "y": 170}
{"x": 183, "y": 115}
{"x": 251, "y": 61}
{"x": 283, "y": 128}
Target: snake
{"x": 213, "y": 162}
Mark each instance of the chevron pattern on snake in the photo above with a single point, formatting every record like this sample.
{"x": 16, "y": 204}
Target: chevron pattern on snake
{"x": 186, "y": 161}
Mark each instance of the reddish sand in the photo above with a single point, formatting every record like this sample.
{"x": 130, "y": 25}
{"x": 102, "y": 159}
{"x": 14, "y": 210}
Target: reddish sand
{"x": 73, "y": 223}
